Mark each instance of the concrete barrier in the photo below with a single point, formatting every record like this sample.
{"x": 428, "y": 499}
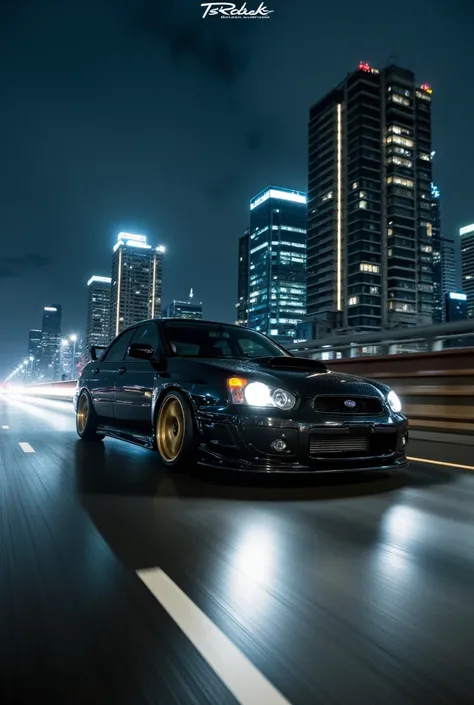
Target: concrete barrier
{"x": 436, "y": 388}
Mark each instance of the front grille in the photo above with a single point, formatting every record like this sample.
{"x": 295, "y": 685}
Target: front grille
{"x": 329, "y": 445}
{"x": 352, "y": 445}
{"x": 349, "y": 406}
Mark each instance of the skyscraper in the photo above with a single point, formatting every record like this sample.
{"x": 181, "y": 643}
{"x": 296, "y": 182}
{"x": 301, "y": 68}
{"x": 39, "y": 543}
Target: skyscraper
{"x": 243, "y": 280}
{"x": 98, "y": 312}
{"x": 50, "y": 343}
{"x": 136, "y": 288}
{"x": 369, "y": 196}
{"x": 277, "y": 262}
{"x": 34, "y": 354}
{"x": 189, "y": 309}
{"x": 449, "y": 275}
{"x": 467, "y": 264}
{"x": 439, "y": 298}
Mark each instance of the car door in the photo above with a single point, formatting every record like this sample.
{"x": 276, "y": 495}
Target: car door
{"x": 134, "y": 386}
{"x": 102, "y": 375}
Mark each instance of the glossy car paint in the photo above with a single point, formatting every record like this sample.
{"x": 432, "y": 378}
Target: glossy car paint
{"x": 127, "y": 394}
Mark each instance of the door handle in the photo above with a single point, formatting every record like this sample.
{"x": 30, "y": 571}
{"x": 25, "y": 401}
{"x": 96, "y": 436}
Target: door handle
{"x": 121, "y": 370}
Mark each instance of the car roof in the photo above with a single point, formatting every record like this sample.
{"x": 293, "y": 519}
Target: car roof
{"x": 192, "y": 321}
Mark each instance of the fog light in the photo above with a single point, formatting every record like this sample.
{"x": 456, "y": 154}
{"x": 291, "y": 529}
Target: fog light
{"x": 404, "y": 440}
{"x": 279, "y": 445}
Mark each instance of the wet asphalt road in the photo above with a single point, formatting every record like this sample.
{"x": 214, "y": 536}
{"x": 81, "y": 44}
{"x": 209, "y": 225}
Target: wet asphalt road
{"x": 340, "y": 590}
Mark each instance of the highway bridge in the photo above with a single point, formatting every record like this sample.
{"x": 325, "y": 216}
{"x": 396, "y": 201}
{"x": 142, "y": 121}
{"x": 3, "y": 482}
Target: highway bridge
{"x": 122, "y": 583}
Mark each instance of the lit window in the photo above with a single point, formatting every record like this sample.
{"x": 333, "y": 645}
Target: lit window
{"x": 362, "y": 204}
{"x": 429, "y": 229}
{"x": 372, "y": 268}
{"x": 398, "y": 99}
{"x": 362, "y": 194}
{"x": 390, "y": 232}
{"x": 327, "y": 196}
{"x": 355, "y": 185}
{"x": 399, "y": 181}
{"x": 397, "y": 130}
{"x": 426, "y": 248}
{"x": 390, "y": 253}
{"x": 400, "y": 161}
{"x": 394, "y": 139}
{"x": 423, "y": 96}
{"x": 374, "y": 289}
{"x": 353, "y": 300}
{"x": 425, "y": 157}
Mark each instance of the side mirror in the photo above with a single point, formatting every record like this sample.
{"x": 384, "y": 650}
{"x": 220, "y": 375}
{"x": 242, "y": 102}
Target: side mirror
{"x": 141, "y": 351}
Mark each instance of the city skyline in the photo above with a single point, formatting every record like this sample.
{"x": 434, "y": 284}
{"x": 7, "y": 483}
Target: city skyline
{"x": 127, "y": 173}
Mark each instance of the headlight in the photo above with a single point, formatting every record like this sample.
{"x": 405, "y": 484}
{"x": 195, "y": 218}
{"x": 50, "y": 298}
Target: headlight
{"x": 394, "y": 402}
{"x": 259, "y": 394}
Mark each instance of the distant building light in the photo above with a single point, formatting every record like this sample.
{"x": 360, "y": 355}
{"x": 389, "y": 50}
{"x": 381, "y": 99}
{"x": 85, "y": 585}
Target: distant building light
{"x": 131, "y": 236}
{"x": 467, "y": 229}
{"x": 425, "y": 87}
{"x": 364, "y": 66}
{"x": 457, "y": 297}
{"x": 134, "y": 243}
{"x": 294, "y": 196}
{"x": 96, "y": 278}
{"x": 160, "y": 248}
{"x": 50, "y": 308}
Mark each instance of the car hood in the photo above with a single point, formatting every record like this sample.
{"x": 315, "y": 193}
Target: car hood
{"x": 300, "y": 376}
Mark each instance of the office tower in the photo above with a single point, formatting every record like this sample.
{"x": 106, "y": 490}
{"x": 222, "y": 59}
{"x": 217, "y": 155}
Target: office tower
{"x": 67, "y": 359}
{"x": 136, "y": 289}
{"x": 243, "y": 280}
{"x": 34, "y": 354}
{"x": 467, "y": 265}
{"x": 369, "y": 196}
{"x": 449, "y": 276}
{"x": 439, "y": 296}
{"x": 50, "y": 344}
{"x": 98, "y": 312}
{"x": 277, "y": 262}
{"x": 189, "y": 309}
{"x": 456, "y": 307}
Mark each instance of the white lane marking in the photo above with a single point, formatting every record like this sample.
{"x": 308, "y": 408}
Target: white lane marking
{"x": 26, "y": 448}
{"x": 5, "y": 428}
{"x": 245, "y": 682}
{"x": 439, "y": 462}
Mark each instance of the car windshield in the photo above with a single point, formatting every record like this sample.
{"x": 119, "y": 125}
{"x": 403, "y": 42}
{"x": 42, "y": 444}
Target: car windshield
{"x": 217, "y": 340}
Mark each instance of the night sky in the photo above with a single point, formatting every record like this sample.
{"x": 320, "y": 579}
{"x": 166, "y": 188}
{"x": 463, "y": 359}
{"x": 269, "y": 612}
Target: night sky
{"x": 139, "y": 115}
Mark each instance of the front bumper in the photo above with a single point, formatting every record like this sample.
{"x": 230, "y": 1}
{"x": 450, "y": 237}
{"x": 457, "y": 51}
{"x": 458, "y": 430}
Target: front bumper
{"x": 259, "y": 443}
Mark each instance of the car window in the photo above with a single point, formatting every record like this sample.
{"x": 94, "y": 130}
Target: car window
{"x": 146, "y": 334}
{"x": 119, "y": 347}
{"x": 252, "y": 348}
{"x": 207, "y": 340}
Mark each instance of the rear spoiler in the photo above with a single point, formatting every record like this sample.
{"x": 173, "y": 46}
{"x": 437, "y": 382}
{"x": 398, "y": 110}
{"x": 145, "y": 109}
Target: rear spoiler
{"x": 95, "y": 349}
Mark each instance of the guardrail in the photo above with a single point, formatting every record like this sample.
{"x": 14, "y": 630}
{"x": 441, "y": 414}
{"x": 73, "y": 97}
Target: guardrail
{"x": 436, "y": 388}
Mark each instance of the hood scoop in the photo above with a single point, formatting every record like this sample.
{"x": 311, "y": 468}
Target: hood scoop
{"x": 291, "y": 363}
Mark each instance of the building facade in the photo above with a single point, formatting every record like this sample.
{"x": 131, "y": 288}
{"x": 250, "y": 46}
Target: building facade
{"x": 34, "y": 354}
{"x": 98, "y": 312}
{"x": 277, "y": 262}
{"x": 243, "y": 280}
{"x": 136, "y": 287}
{"x": 467, "y": 265}
{"x": 369, "y": 202}
{"x": 191, "y": 310}
{"x": 50, "y": 358}
{"x": 456, "y": 307}
{"x": 439, "y": 297}
{"x": 449, "y": 273}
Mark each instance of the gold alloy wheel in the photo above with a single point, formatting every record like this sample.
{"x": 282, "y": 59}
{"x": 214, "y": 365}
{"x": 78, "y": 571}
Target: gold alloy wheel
{"x": 82, "y": 413}
{"x": 170, "y": 429}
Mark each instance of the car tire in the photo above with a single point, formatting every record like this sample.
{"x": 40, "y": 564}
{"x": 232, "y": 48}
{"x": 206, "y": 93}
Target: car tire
{"x": 86, "y": 419}
{"x": 175, "y": 432}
